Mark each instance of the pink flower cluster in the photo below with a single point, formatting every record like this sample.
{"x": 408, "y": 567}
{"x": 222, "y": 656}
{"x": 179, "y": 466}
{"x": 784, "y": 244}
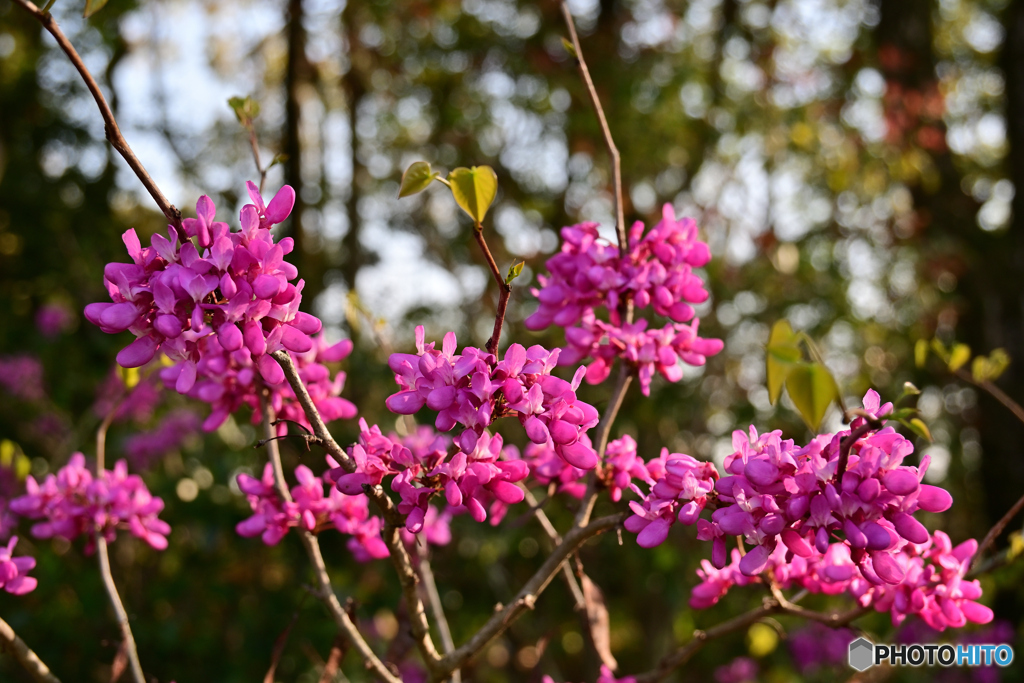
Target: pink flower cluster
{"x": 229, "y": 380}
{"x": 682, "y": 486}
{"x": 311, "y": 510}
{"x": 73, "y": 502}
{"x": 232, "y": 286}
{"x": 218, "y": 304}
{"x": 657, "y": 271}
{"x": 933, "y": 585}
{"x": 14, "y": 570}
{"x": 775, "y": 491}
{"x": 471, "y": 481}
{"x": 472, "y": 389}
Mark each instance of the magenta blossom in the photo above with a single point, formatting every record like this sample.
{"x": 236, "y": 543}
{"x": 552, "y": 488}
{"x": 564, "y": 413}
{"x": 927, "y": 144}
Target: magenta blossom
{"x": 73, "y": 502}
{"x": 14, "y": 570}
{"x": 589, "y": 274}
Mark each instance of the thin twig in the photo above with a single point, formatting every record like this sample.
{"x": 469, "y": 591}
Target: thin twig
{"x": 312, "y": 547}
{"x": 604, "y": 429}
{"x": 994, "y": 532}
{"x": 846, "y": 444}
{"x": 613, "y": 151}
{"x": 104, "y": 558}
{"x": 393, "y": 521}
{"x": 505, "y": 615}
{"x": 504, "y": 291}
{"x": 29, "y": 660}
{"x": 434, "y": 600}
{"x": 113, "y": 132}
{"x": 994, "y": 391}
{"x": 556, "y": 538}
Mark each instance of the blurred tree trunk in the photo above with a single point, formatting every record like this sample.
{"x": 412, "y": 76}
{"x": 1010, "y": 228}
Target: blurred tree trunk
{"x": 354, "y": 89}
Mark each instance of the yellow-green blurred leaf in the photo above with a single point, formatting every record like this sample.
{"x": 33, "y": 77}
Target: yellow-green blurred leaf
{"x": 92, "y": 7}
{"x": 246, "y": 108}
{"x": 811, "y": 388}
{"x": 762, "y": 640}
{"x": 7, "y": 450}
{"x": 130, "y": 376}
{"x": 921, "y": 352}
{"x": 416, "y": 178}
{"x": 998, "y": 361}
{"x": 980, "y": 369}
{"x": 569, "y": 47}
{"x": 959, "y": 356}
{"x": 940, "y": 350}
{"x": 474, "y": 189}
{"x": 22, "y": 466}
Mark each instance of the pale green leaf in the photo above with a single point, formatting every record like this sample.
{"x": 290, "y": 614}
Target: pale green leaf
{"x": 474, "y": 190}
{"x": 514, "y": 271}
{"x": 781, "y": 354}
{"x": 569, "y": 47}
{"x": 918, "y": 426}
{"x": 92, "y": 7}
{"x": 811, "y": 388}
{"x": 416, "y": 178}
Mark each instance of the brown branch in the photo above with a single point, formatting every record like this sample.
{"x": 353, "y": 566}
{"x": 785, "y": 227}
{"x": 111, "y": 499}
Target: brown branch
{"x": 23, "y": 654}
{"x": 104, "y": 558}
{"x": 113, "y": 132}
{"x": 312, "y": 546}
{"x": 994, "y": 391}
{"x": 613, "y": 151}
{"x": 393, "y": 520}
{"x": 504, "y": 291}
{"x": 504, "y": 616}
{"x": 846, "y": 444}
{"x": 994, "y": 532}
{"x": 434, "y": 600}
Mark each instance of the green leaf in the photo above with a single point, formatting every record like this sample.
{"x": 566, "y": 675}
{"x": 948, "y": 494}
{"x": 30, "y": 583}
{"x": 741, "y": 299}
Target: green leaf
{"x": 781, "y": 355}
{"x": 278, "y": 159}
{"x": 940, "y": 350}
{"x": 92, "y": 7}
{"x": 921, "y": 352}
{"x": 812, "y": 388}
{"x": 901, "y": 414}
{"x": 918, "y": 426}
{"x": 474, "y": 189}
{"x": 514, "y": 271}
{"x": 416, "y": 178}
{"x": 959, "y": 356}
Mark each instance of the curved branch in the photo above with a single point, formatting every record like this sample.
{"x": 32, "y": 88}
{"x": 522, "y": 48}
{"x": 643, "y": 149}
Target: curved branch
{"x": 111, "y": 129}
{"x": 104, "y": 558}
{"x": 29, "y": 660}
{"x": 527, "y": 596}
{"x": 393, "y": 520}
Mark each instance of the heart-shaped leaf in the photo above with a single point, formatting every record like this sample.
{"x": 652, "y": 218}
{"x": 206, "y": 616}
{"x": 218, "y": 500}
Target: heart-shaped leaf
{"x": 474, "y": 189}
{"x": 781, "y": 355}
{"x": 812, "y": 388}
{"x": 416, "y": 178}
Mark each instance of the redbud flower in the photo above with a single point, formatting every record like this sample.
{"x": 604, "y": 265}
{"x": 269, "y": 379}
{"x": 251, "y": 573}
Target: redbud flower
{"x": 73, "y": 502}
{"x": 14, "y": 570}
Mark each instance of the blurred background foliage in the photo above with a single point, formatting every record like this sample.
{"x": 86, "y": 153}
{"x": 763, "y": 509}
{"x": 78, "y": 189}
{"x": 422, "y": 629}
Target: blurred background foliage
{"x": 852, "y": 163}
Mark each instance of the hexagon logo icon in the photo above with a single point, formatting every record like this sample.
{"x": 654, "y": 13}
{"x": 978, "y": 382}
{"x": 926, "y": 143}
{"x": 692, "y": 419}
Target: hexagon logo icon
{"x": 862, "y": 654}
